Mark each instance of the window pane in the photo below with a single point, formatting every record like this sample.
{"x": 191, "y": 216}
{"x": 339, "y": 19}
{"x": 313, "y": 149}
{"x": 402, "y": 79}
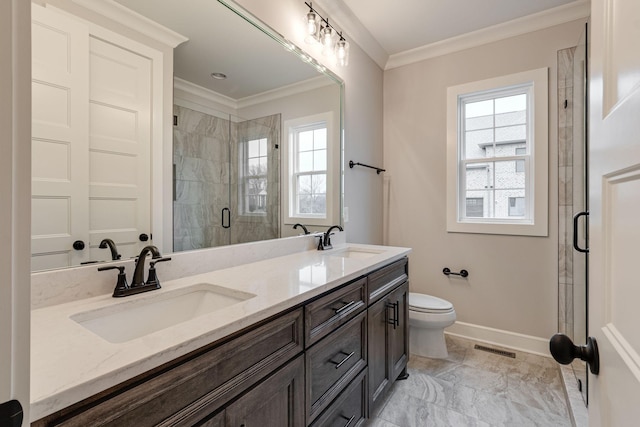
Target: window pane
{"x": 305, "y": 141}
{"x": 319, "y": 184}
{"x": 320, "y": 139}
{"x": 506, "y": 176}
{"x": 475, "y": 207}
{"x": 319, "y": 204}
{"x": 508, "y": 119}
{"x": 477, "y": 109}
{"x": 304, "y": 184}
{"x": 305, "y": 204}
{"x": 511, "y": 133}
{"x": 263, "y": 147}
{"x": 516, "y": 206}
{"x": 473, "y": 143}
{"x": 502, "y": 200}
{"x": 479, "y": 176}
{"x": 483, "y": 122}
{"x": 254, "y": 148}
{"x": 320, "y": 160}
{"x": 254, "y": 166}
{"x": 511, "y": 103}
{"x": 305, "y": 161}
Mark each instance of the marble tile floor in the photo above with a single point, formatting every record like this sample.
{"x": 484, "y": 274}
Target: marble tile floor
{"x": 476, "y": 388}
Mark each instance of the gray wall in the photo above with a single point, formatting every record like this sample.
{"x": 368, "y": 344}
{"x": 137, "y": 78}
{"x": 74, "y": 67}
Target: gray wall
{"x": 513, "y": 279}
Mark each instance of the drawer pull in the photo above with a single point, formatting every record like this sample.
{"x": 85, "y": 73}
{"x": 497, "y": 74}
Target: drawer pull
{"x": 344, "y": 307}
{"x": 348, "y": 356}
{"x": 349, "y": 420}
{"x": 395, "y": 320}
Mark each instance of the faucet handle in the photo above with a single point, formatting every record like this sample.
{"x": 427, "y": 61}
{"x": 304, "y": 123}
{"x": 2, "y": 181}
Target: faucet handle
{"x": 121, "y": 285}
{"x": 152, "y": 279}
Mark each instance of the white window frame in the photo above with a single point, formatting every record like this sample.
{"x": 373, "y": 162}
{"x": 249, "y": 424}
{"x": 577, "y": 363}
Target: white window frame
{"x": 536, "y": 223}
{"x": 288, "y": 186}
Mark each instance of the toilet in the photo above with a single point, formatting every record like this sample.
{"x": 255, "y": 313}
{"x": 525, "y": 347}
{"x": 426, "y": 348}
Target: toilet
{"x": 428, "y": 316}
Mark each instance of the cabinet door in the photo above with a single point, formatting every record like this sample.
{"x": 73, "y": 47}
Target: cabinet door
{"x": 388, "y": 341}
{"x": 378, "y": 350}
{"x": 276, "y": 402}
{"x": 399, "y": 330}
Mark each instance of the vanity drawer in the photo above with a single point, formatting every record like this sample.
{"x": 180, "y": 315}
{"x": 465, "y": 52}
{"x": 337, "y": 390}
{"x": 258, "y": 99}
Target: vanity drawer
{"x": 349, "y": 409}
{"x": 334, "y": 362}
{"x": 384, "y": 280}
{"x": 330, "y": 311}
{"x": 182, "y": 394}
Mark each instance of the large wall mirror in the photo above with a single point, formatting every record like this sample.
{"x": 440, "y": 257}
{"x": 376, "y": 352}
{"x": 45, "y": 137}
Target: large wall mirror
{"x": 242, "y": 140}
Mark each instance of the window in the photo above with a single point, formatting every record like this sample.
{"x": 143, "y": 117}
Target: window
{"x": 516, "y": 206}
{"x": 309, "y": 183}
{"x": 497, "y": 155}
{"x": 475, "y": 207}
{"x": 253, "y": 176}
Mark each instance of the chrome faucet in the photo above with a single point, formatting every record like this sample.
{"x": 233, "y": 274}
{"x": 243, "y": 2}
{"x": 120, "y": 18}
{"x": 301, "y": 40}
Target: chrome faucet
{"x": 112, "y": 247}
{"x": 303, "y": 227}
{"x": 325, "y": 239}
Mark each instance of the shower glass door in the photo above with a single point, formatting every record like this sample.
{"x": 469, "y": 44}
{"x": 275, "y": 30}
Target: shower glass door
{"x": 580, "y": 205}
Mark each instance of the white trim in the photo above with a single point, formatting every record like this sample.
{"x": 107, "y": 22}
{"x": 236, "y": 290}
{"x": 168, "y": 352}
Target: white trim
{"x": 502, "y": 338}
{"x": 538, "y": 185}
{"x": 191, "y": 95}
{"x": 286, "y": 167}
{"x": 133, "y": 20}
{"x": 199, "y": 98}
{"x": 538, "y": 21}
{"x": 284, "y": 91}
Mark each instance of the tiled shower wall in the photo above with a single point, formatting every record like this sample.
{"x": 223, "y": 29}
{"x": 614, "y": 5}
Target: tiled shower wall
{"x": 206, "y": 177}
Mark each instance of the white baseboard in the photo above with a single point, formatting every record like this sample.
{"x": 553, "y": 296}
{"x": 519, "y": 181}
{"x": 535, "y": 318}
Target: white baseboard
{"x": 512, "y": 340}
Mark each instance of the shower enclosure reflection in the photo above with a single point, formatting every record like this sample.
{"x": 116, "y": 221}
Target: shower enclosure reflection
{"x": 226, "y": 179}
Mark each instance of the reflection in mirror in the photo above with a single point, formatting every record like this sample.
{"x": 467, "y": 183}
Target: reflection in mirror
{"x": 237, "y": 167}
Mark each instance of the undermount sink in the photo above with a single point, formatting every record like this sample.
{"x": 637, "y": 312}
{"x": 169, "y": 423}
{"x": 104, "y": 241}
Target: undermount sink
{"x": 355, "y": 253}
{"x": 138, "y": 317}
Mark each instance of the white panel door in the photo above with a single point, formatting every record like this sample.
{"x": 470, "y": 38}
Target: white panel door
{"x": 614, "y": 222}
{"x": 119, "y": 148}
{"x": 59, "y": 140}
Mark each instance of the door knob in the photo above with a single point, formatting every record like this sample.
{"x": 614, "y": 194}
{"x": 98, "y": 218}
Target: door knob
{"x": 564, "y": 351}
{"x": 78, "y": 245}
{"x": 143, "y": 237}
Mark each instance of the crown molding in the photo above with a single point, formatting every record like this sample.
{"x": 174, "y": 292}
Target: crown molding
{"x": 127, "y": 17}
{"x": 534, "y": 22}
{"x": 214, "y": 101}
{"x": 281, "y": 92}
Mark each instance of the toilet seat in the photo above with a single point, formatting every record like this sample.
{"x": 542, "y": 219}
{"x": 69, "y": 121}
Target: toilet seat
{"x": 428, "y": 304}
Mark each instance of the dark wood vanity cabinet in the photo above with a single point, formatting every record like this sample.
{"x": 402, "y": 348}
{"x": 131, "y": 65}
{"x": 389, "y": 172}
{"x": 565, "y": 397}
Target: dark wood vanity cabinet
{"x": 327, "y": 362}
{"x": 388, "y": 325}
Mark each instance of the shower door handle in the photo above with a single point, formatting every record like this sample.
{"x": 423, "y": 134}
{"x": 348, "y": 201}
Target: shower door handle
{"x": 228, "y": 224}
{"x": 576, "y": 218}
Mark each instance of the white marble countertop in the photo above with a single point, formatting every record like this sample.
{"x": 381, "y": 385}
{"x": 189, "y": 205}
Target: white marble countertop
{"x": 70, "y": 363}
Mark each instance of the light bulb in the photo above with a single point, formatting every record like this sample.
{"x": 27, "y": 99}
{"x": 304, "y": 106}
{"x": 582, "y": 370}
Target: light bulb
{"x": 342, "y": 52}
{"x": 327, "y": 36}
{"x": 311, "y": 23}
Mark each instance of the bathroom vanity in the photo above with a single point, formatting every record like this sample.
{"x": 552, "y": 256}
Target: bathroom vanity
{"x": 307, "y": 339}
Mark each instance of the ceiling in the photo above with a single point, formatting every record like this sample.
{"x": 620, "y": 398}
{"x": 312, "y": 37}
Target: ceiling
{"x": 220, "y": 41}
{"x": 399, "y": 26}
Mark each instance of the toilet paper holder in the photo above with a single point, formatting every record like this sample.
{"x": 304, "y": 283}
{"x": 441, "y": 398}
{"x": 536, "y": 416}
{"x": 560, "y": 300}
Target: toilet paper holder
{"x": 462, "y": 273}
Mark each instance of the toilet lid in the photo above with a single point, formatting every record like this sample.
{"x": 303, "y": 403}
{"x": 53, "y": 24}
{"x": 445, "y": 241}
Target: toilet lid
{"x": 428, "y": 303}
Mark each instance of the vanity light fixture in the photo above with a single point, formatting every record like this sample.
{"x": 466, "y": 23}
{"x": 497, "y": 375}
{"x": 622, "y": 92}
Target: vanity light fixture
{"x": 320, "y": 31}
